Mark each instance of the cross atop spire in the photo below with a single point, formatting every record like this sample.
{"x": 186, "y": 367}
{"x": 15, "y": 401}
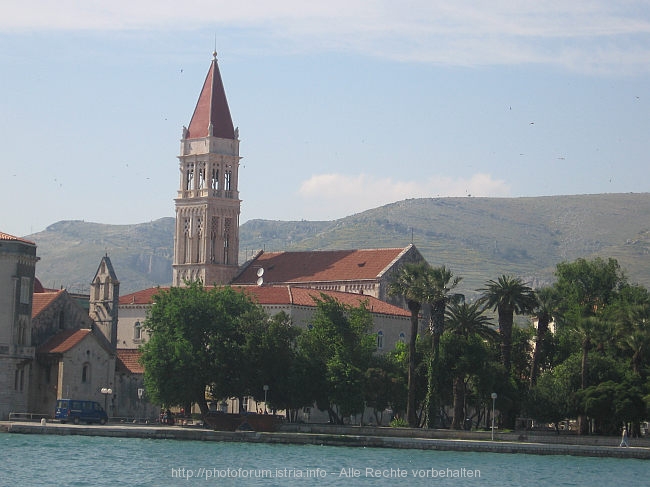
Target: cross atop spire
{"x": 212, "y": 116}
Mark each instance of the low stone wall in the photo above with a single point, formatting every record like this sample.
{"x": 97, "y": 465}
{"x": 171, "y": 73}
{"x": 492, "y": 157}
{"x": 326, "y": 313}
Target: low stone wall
{"x": 332, "y": 439}
{"x": 516, "y": 436}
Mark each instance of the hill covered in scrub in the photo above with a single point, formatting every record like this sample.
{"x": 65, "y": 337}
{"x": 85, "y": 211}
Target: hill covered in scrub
{"x": 477, "y": 238}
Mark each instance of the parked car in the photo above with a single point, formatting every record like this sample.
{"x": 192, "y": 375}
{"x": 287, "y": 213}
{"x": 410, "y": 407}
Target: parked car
{"x": 78, "y": 410}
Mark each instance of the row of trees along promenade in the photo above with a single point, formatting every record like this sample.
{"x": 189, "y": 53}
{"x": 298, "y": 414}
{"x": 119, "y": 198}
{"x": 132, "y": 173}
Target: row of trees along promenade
{"x": 588, "y": 358}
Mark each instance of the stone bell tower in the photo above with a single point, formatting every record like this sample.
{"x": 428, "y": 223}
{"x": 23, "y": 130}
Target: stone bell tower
{"x": 105, "y": 299}
{"x": 206, "y": 237}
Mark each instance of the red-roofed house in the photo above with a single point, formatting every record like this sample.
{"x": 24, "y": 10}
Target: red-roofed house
{"x": 74, "y": 363}
{"x": 363, "y": 271}
{"x": 61, "y": 370}
{"x": 391, "y": 323}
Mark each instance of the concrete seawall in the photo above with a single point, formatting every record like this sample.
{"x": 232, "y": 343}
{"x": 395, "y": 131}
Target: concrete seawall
{"x": 376, "y": 440}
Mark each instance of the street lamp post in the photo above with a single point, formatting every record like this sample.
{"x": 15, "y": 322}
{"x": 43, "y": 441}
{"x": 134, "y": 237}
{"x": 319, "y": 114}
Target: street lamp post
{"x": 107, "y": 392}
{"x": 494, "y": 398}
{"x": 140, "y": 395}
{"x": 266, "y": 390}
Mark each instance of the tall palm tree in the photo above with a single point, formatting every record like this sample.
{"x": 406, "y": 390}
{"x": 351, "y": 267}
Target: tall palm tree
{"x": 544, "y": 313}
{"x": 585, "y": 327}
{"x": 465, "y": 320}
{"x": 408, "y": 282}
{"x": 439, "y": 284}
{"x": 507, "y": 295}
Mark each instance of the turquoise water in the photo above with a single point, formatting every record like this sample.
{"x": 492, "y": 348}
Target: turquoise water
{"x": 95, "y": 461}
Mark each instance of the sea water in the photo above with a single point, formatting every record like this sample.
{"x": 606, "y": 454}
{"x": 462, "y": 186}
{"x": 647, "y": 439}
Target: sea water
{"x": 99, "y": 461}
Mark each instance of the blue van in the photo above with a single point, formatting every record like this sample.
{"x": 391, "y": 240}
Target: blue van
{"x": 77, "y": 411}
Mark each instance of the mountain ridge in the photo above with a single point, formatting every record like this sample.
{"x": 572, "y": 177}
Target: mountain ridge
{"x": 477, "y": 238}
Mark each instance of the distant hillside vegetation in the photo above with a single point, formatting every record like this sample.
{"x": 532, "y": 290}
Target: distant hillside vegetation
{"x": 477, "y": 238}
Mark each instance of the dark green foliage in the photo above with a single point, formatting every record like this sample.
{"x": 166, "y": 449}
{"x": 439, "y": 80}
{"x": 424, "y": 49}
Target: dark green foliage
{"x": 410, "y": 282}
{"x": 337, "y": 350}
{"x": 211, "y": 340}
{"x": 508, "y": 296}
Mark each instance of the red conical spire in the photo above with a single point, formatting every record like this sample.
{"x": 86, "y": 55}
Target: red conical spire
{"x": 211, "y": 115}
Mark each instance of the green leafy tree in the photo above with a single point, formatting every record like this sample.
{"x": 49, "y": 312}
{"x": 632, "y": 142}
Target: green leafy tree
{"x": 270, "y": 351}
{"x": 587, "y": 291}
{"x": 385, "y": 385}
{"x": 555, "y": 397}
{"x": 197, "y": 335}
{"x": 337, "y": 350}
{"x": 410, "y": 282}
{"x": 611, "y": 404}
{"x": 544, "y": 311}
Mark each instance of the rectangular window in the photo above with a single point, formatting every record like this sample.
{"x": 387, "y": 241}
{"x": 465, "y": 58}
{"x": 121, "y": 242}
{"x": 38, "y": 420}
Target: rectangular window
{"x": 25, "y": 290}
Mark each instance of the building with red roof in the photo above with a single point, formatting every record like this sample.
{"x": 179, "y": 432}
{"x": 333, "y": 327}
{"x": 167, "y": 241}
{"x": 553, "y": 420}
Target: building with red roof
{"x": 75, "y": 363}
{"x": 391, "y": 323}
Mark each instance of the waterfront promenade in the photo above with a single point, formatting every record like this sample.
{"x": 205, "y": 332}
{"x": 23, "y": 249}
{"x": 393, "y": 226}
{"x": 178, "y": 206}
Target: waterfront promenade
{"x": 351, "y": 436}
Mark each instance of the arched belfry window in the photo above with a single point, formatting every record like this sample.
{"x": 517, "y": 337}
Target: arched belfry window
{"x": 214, "y": 180}
{"x": 227, "y": 180}
{"x": 189, "y": 177}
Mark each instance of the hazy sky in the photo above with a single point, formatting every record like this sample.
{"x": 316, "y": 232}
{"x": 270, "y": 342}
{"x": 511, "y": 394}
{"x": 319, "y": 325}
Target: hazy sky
{"x": 341, "y": 106}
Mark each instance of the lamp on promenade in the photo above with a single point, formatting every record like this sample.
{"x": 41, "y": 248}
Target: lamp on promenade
{"x": 140, "y": 395}
{"x": 494, "y": 398}
{"x": 106, "y": 391}
{"x": 266, "y": 390}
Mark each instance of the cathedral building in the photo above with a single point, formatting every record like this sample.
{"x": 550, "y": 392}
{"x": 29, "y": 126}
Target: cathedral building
{"x": 52, "y": 347}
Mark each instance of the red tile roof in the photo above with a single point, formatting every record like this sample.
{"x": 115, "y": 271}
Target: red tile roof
{"x": 41, "y": 300}
{"x": 6, "y": 236}
{"x": 212, "y": 108}
{"x": 128, "y": 359}
{"x": 320, "y": 266}
{"x": 306, "y": 297}
{"x": 63, "y": 341}
{"x": 285, "y": 295}
{"x": 145, "y": 296}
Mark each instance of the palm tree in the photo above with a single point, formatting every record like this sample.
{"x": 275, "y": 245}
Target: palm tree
{"x": 409, "y": 283}
{"x": 585, "y": 327}
{"x": 439, "y": 284}
{"x": 544, "y": 312}
{"x": 508, "y": 295}
{"x": 465, "y": 320}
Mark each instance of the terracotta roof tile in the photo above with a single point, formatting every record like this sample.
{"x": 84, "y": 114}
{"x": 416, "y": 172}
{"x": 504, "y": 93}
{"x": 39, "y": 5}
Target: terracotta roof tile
{"x": 284, "y": 295}
{"x": 63, "y": 341}
{"x": 41, "y": 300}
{"x": 319, "y": 266}
{"x": 128, "y": 359}
{"x": 6, "y": 236}
{"x": 145, "y": 296}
